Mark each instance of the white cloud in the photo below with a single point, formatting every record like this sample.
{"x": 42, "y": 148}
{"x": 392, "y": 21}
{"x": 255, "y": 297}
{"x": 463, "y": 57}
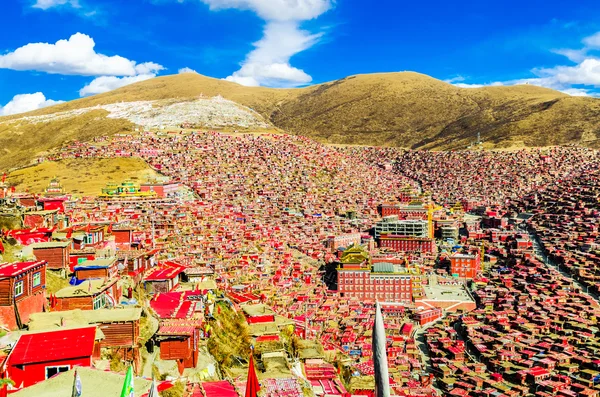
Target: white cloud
{"x": 46, "y": 4}
{"x": 26, "y": 102}
{"x": 269, "y": 63}
{"x": 75, "y": 56}
{"x": 592, "y": 41}
{"x": 466, "y": 85}
{"x": 455, "y": 80}
{"x": 148, "y": 68}
{"x": 577, "y": 92}
{"x": 276, "y": 10}
{"x": 573, "y": 55}
{"x": 108, "y": 83}
{"x": 580, "y": 79}
{"x": 186, "y": 70}
{"x": 585, "y": 73}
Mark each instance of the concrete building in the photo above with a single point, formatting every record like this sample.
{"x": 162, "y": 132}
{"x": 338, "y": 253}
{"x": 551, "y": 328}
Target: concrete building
{"x": 402, "y": 227}
{"x": 465, "y": 265}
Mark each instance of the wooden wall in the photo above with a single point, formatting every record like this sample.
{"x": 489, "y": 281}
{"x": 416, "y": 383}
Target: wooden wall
{"x": 174, "y": 349}
{"x": 122, "y": 334}
{"x": 57, "y": 258}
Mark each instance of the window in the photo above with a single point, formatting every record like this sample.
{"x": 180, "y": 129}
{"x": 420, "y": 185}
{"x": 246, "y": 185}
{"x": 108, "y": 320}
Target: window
{"x": 99, "y": 302}
{"x": 37, "y": 279}
{"x": 19, "y": 288}
{"x": 51, "y": 371}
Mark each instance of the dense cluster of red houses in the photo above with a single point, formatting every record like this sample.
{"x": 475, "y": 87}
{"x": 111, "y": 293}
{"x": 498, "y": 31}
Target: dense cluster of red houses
{"x": 290, "y": 233}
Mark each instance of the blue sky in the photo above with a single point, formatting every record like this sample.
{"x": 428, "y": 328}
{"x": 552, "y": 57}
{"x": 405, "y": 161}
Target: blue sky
{"x": 55, "y": 50}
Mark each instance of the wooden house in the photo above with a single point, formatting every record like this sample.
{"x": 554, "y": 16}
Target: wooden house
{"x": 89, "y": 295}
{"x": 257, "y": 314}
{"x": 39, "y": 356}
{"x": 22, "y": 292}
{"x": 123, "y": 235}
{"x": 56, "y": 253}
{"x": 179, "y": 342}
{"x": 97, "y": 268}
{"x": 53, "y": 203}
{"x": 133, "y": 264}
{"x": 163, "y": 278}
{"x": 198, "y": 274}
{"x": 79, "y": 256}
{"x": 36, "y": 219}
{"x": 120, "y": 327}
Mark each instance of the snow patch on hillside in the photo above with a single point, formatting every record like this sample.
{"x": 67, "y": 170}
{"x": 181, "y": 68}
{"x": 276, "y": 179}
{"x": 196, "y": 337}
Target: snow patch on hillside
{"x": 215, "y": 112}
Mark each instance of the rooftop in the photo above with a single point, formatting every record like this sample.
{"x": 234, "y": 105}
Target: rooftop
{"x": 84, "y": 289}
{"x": 95, "y": 383}
{"x": 164, "y": 272}
{"x": 49, "y": 320}
{"x": 14, "y": 269}
{"x": 96, "y": 263}
{"x": 51, "y": 244}
{"x": 53, "y": 346}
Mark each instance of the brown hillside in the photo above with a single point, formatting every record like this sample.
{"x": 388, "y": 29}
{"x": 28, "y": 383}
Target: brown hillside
{"x": 397, "y": 109}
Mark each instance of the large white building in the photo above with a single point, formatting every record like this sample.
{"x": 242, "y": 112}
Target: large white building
{"x": 402, "y": 227}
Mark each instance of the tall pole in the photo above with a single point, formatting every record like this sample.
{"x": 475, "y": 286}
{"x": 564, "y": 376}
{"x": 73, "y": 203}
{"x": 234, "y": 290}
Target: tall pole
{"x": 380, "y": 364}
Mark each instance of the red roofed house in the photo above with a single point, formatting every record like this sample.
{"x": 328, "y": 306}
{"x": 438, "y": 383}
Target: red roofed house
{"x": 163, "y": 278}
{"x": 40, "y": 356}
{"x": 42, "y": 219}
{"x": 179, "y": 342}
{"x": 30, "y": 236}
{"x": 123, "y": 235}
{"x": 22, "y": 292}
{"x": 428, "y": 316}
{"x": 181, "y": 318}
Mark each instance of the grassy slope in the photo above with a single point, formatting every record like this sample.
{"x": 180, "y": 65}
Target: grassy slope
{"x": 413, "y": 110}
{"x": 81, "y": 177}
{"x": 400, "y": 109}
{"x": 21, "y": 142}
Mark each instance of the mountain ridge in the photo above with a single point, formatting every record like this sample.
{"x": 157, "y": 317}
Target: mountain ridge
{"x": 405, "y": 109}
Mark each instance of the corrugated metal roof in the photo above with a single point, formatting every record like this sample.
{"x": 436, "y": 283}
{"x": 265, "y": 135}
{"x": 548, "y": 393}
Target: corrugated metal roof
{"x": 383, "y": 267}
{"x": 53, "y": 346}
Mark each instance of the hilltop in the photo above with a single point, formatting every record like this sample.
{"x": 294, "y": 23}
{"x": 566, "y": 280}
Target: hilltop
{"x": 392, "y": 109}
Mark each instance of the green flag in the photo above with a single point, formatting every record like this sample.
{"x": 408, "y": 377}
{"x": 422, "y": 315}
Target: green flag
{"x": 128, "y": 384}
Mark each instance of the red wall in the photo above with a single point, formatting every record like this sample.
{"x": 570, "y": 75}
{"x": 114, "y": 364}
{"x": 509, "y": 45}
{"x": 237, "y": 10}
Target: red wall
{"x": 7, "y": 317}
{"x": 261, "y": 319}
{"x": 32, "y": 304}
{"x": 73, "y": 260}
{"x": 122, "y": 236}
{"x": 54, "y": 205}
{"x": 35, "y": 373}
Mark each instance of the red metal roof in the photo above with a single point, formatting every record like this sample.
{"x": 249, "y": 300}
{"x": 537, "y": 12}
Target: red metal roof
{"x": 164, "y": 272}
{"x": 219, "y": 389}
{"x": 53, "y": 346}
{"x": 14, "y": 269}
{"x": 175, "y": 330}
{"x": 173, "y": 304}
